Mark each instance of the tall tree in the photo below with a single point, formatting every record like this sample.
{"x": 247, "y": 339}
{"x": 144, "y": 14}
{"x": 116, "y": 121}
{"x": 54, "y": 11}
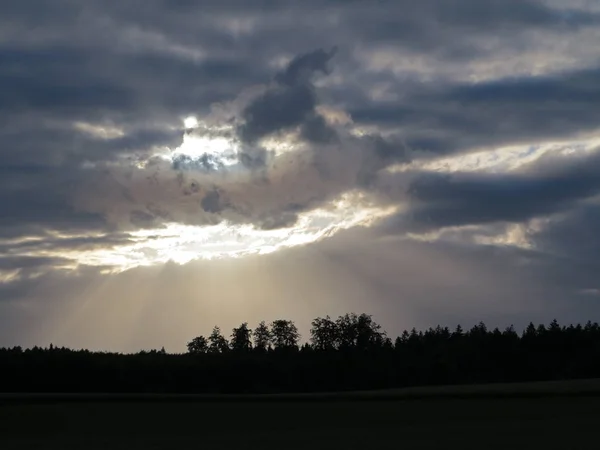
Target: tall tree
{"x": 346, "y": 325}
{"x": 217, "y": 342}
{"x": 284, "y": 334}
{"x": 368, "y": 333}
{"x": 324, "y": 334}
{"x": 262, "y": 337}
{"x": 241, "y": 338}
{"x": 530, "y": 332}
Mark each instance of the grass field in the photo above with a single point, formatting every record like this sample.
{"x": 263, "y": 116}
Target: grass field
{"x": 561, "y": 415}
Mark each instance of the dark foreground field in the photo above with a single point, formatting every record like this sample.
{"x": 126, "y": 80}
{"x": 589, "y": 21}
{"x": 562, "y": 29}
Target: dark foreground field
{"x": 546, "y": 415}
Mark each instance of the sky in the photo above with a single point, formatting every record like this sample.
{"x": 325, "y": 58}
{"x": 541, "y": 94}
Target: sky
{"x": 171, "y": 165}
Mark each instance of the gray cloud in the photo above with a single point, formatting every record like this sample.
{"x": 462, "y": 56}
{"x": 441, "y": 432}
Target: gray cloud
{"x": 548, "y": 186}
{"x": 301, "y": 69}
{"x": 454, "y": 118}
{"x": 48, "y": 242}
{"x": 90, "y": 91}
{"x": 290, "y": 102}
{"x": 277, "y": 109}
{"x": 259, "y": 191}
{"x": 315, "y": 129}
{"x": 155, "y": 66}
{"x": 573, "y": 237}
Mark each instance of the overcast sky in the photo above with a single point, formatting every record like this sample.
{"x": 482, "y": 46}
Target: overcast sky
{"x": 170, "y": 165}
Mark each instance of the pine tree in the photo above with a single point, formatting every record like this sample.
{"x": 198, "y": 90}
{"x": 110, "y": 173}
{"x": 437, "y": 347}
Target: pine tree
{"x": 241, "y": 338}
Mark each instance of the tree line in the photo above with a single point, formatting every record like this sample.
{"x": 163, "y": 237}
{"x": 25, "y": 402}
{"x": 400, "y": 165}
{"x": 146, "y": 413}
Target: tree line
{"x": 350, "y": 331}
{"x": 347, "y": 353}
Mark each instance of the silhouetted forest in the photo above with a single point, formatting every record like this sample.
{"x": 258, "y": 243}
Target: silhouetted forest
{"x": 347, "y": 353}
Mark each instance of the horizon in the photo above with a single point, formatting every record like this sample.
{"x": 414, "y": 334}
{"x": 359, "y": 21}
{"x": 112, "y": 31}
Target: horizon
{"x": 306, "y": 338}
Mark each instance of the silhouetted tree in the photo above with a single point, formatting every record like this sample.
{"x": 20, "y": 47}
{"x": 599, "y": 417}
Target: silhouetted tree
{"x": 530, "y": 332}
{"x": 198, "y": 345}
{"x": 324, "y": 334}
{"x": 458, "y": 332}
{"x": 554, "y": 327}
{"x": 403, "y": 338}
{"x": 217, "y": 342}
{"x": 369, "y": 333}
{"x": 241, "y": 338}
{"x": 306, "y": 348}
{"x": 361, "y": 358}
{"x": 359, "y": 332}
{"x": 284, "y": 334}
{"x": 262, "y": 337}
{"x": 398, "y": 342}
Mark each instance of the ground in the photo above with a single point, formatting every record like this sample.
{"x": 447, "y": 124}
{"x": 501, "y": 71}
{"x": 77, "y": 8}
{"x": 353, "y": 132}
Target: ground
{"x": 549, "y": 416}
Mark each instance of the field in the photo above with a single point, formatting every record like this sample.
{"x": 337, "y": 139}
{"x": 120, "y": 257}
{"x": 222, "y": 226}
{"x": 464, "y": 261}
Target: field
{"x": 561, "y": 415}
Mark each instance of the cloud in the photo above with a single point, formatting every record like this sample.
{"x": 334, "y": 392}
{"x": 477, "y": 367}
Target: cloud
{"x": 148, "y": 74}
{"x": 438, "y": 200}
{"x": 290, "y": 102}
{"x": 297, "y": 181}
{"x": 572, "y": 236}
{"x": 460, "y": 117}
{"x": 315, "y": 129}
{"x": 302, "y": 67}
{"x": 93, "y": 98}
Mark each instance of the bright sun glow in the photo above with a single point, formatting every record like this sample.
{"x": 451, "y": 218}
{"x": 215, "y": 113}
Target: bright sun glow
{"x": 184, "y": 243}
{"x": 198, "y": 146}
{"x": 190, "y": 122}
{"x": 200, "y": 141}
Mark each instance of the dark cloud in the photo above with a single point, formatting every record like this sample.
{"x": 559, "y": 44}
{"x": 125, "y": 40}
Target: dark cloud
{"x": 155, "y": 66}
{"x": 290, "y": 102}
{"x": 573, "y": 236}
{"x": 551, "y": 185}
{"x": 278, "y": 109}
{"x": 315, "y": 129}
{"x": 80, "y": 83}
{"x": 49, "y": 242}
{"x": 210, "y": 203}
{"x": 454, "y": 118}
{"x": 421, "y": 27}
{"x": 433, "y": 25}
{"x": 301, "y": 69}
{"x": 29, "y": 262}
{"x": 38, "y": 199}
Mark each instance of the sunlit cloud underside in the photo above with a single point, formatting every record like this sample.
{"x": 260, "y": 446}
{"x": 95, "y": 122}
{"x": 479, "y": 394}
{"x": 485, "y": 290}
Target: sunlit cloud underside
{"x": 181, "y": 243}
